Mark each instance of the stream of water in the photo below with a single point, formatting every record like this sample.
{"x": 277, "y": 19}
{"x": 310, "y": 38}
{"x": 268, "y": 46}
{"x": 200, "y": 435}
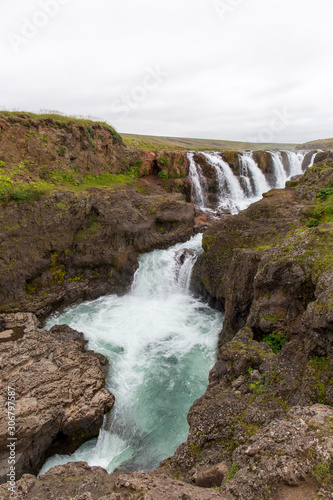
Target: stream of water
{"x": 161, "y": 343}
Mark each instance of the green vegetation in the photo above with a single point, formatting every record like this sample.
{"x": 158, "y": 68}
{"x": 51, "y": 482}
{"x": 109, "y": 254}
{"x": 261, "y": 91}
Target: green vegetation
{"x": 322, "y": 211}
{"x": 324, "y": 193}
{"x": 2, "y": 164}
{"x": 323, "y": 473}
{"x": 163, "y": 175}
{"x": 312, "y": 222}
{"x": 257, "y": 387}
{"x": 276, "y": 340}
{"x": 62, "y": 151}
{"x": 232, "y": 472}
{"x": 164, "y": 161}
{"x": 20, "y": 192}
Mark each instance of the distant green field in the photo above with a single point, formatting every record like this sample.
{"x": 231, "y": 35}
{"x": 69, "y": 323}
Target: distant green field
{"x": 155, "y": 143}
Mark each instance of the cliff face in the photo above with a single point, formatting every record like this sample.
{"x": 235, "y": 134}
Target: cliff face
{"x": 68, "y": 247}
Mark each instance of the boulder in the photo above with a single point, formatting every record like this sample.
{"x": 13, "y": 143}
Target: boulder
{"x": 60, "y": 398}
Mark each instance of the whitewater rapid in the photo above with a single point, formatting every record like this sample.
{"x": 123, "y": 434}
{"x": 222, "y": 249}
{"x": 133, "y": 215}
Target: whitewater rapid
{"x": 161, "y": 343}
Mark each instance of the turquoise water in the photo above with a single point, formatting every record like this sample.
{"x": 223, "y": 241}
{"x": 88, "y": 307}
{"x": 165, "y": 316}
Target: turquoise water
{"x": 161, "y": 344}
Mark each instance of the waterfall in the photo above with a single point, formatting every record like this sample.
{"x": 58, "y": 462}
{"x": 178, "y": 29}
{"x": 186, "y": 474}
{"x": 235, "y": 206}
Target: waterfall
{"x": 161, "y": 343}
{"x": 279, "y": 171}
{"x": 260, "y": 184}
{"x": 231, "y": 194}
{"x": 198, "y": 183}
{"x": 295, "y": 162}
{"x": 237, "y": 192}
{"x": 311, "y": 161}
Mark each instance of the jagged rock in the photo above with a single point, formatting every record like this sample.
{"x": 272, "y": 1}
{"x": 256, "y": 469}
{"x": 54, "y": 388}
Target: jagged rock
{"x": 286, "y": 451}
{"x": 59, "y": 390}
{"x": 81, "y": 482}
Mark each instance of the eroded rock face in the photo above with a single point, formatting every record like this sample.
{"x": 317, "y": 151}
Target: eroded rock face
{"x": 255, "y": 229}
{"x": 69, "y": 247}
{"x": 47, "y": 145}
{"x": 59, "y": 391}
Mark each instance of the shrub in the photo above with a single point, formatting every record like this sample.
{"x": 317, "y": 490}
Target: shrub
{"x": 163, "y": 175}
{"x": 324, "y": 193}
{"x": 62, "y": 151}
{"x": 276, "y": 340}
{"x": 22, "y": 193}
{"x": 312, "y": 222}
{"x": 2, "y": 164}
{"x": 164, "y": 161}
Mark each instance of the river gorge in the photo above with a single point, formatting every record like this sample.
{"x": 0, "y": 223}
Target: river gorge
{"x": 166, "y": 317}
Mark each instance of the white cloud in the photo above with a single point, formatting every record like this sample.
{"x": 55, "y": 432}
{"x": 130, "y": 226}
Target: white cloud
{"x": 226, "y": 78}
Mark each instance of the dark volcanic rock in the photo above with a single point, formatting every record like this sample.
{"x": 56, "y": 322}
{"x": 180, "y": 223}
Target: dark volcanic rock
{"x": 59, "y": 388}
{"x": 69, "y": 247}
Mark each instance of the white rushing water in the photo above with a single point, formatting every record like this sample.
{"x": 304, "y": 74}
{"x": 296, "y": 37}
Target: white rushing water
{"x": 231, "y": 195}
{"x": 255, "y": 176}
{"x": 295, "y": 162}
{"x": 198, "y": 183}
{"x": 161, "y": 344}
{"x": 237, "y": 192}
{"x": 279, "y": 170}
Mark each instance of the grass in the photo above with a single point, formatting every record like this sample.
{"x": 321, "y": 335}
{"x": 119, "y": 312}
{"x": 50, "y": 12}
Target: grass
{"x": 323, "y": 472}
{"x": 156, "y": 143}
{"x": 322, "y": 211}
{"x": 232, "y": 472}
{"x": 20, "y": 192}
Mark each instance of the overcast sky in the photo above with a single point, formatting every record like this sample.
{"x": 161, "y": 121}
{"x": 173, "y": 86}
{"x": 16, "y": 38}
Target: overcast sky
{"x": 221, "y": 69}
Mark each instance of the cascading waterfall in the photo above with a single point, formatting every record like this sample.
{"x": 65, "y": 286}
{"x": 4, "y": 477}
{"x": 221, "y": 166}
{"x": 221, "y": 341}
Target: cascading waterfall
{"x": 254, "y": 174}
{"x": 279, "y": 171}
{"x": 231, "y": 195}
{"x": 236, "y": 193}
{"x": 295, "y": 162}
{"x": 198, "y": 182}
{"x": 311, "y": 161}
{"x": 161, "y": 343}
